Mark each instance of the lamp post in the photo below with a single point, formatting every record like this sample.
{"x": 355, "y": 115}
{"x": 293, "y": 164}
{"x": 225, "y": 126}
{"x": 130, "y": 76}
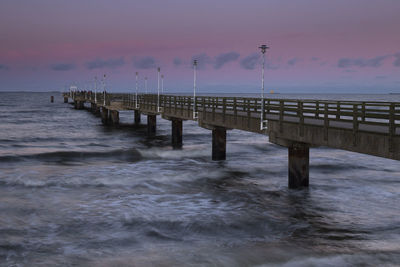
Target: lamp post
{"x": 194, "y": 89}
{"x": 136, "y": 103}
{"x": 263, "y": 50}
{"x": 145, "y": 84}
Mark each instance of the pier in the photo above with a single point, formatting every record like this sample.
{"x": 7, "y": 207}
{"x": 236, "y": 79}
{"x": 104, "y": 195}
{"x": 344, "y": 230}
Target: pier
{"x": 366, "y": 127}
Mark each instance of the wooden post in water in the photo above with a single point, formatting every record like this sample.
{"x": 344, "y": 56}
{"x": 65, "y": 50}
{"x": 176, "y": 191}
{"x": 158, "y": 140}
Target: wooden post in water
{"x": 137, "y": 116}
{"x": 151, "y": 125}
{"x": 65, "y": 99}
{"x": 219, "y": 143}
{"x": 52, "y": 99}
{"x": 176, "y": 133}
{"x": 299, "y": 162}
{"x": 104, "y": 116}
{"x": 114, "y": 117}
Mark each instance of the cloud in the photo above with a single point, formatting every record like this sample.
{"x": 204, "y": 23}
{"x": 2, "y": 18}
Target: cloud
{"x": 177, "y": 61}
{"x": 361, "y": 62}
{"x": 145, "y": 62}
{"x": 380, "y": 77}
{"x": 4, "y": 67}
{"x": 396, "y": 63}
{"x": 314, "y": 58}
{"x": 293, "y": 61}
{"x": 224, "y": 58}
{"x": 105, "y": 63}
{"x": 63, "y": 66}
{"x": 250, "y": 62}
{"x": 202, "y": 60}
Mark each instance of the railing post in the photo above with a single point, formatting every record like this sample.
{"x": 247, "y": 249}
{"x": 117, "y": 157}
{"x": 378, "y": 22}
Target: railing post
{"x": 363, "y": 112}
{"x": 301, "y": 119}
{"x": 317, "y": 109}
{"x": 204, "y": 107}
{"x": 338, "y": 110}
{"x": 235, "y": 109}
{"x": 175, "y": 103}
{"x": 281, "y": 106}
{"x": 248, "y": 113}
{"x": 355, "y": 124}
{"x": 213, "y": 107}
{"x": 223, "y": 109}
{"x": 326, "y": 121}
{"x": 392, "y": 126}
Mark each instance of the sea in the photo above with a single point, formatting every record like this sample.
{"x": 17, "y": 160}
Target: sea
{"x": 76, "y": 193}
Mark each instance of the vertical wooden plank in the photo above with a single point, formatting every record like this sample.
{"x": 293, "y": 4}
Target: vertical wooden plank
{"x": 235, "y": 109}
{"x": 392, "y": 127}
{"x": 355, "y": 124}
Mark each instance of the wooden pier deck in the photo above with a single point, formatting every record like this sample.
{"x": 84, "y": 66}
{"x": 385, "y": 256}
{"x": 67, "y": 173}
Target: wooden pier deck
{"x": 360, "y": 126}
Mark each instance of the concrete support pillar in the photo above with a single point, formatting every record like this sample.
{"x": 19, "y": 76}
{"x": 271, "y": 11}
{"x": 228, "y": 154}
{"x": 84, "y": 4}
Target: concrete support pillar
{"x": 219, "y": 143}
{"x": 176, "y": 133}
{"x": 65, "y": 99}
{"x": 104, "y": 116}
{"x": 79, "y": 104}
{"x": 151, "y": 125}
{"x": 299, "y": 162}
{"x": 114, "y": 114}
{"x": 137, "y": 116}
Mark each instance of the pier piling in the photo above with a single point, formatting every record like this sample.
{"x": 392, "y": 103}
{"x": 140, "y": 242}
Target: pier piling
{"x": 299, "y": 161}
{"x": 151, "y": 125}
{"x": 114, "y": 114}
{"x": 137, "y": 116}
{"x": 219, "y": 143}
{"x": 176, "y": 133}
{"x": 104, "y": 116}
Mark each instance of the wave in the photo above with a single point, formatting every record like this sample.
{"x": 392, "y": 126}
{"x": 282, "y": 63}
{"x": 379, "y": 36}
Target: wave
{"x": 131, "y": 155}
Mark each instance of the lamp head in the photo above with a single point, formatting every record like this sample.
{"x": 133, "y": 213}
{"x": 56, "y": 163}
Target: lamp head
{"x": 263, "y": 48}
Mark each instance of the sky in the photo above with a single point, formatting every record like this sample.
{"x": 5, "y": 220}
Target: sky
{"x": 316, "y": 46}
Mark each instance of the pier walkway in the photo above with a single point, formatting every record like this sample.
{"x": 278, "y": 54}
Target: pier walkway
{"x": 371, "y": 128}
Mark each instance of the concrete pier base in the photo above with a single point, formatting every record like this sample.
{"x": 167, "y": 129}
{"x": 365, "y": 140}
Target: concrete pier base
{"x": 79, "y": 104}
{"x": 65, "y": 99}
{"x": 151, "y": 125}
{"x": 176, "y": 133}
{"x": 299, "y": 162}
{"x": 114, "y": 114}
{"x": 104, "y": 116}
{"x": 137, "y": 116}
{"x": 219, "y": 143}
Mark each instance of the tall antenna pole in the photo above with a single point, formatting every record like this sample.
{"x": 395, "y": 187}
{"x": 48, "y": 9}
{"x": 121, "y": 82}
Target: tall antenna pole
{"x": 95, "y": 89}
{"x": 162, "y": 84}
{"x": 104, "y": 89}
{"x": 145, "y": 84}
{"x": 158, "y": 89}
{"x": 263, "y": 50}
{"x": 194, "y": 89}
{"x": 136, "y": 103}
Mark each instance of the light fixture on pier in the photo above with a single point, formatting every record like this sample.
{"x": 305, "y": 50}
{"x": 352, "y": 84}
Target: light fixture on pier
{"x": 136, "y": 102}
{"x": 263, "y": 50}
{"x": 158, "y": 89}
{"x": 194, "y": 89}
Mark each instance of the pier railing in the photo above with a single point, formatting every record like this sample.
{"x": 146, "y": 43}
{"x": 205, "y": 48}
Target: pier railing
{"x": 375, "y": 116}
